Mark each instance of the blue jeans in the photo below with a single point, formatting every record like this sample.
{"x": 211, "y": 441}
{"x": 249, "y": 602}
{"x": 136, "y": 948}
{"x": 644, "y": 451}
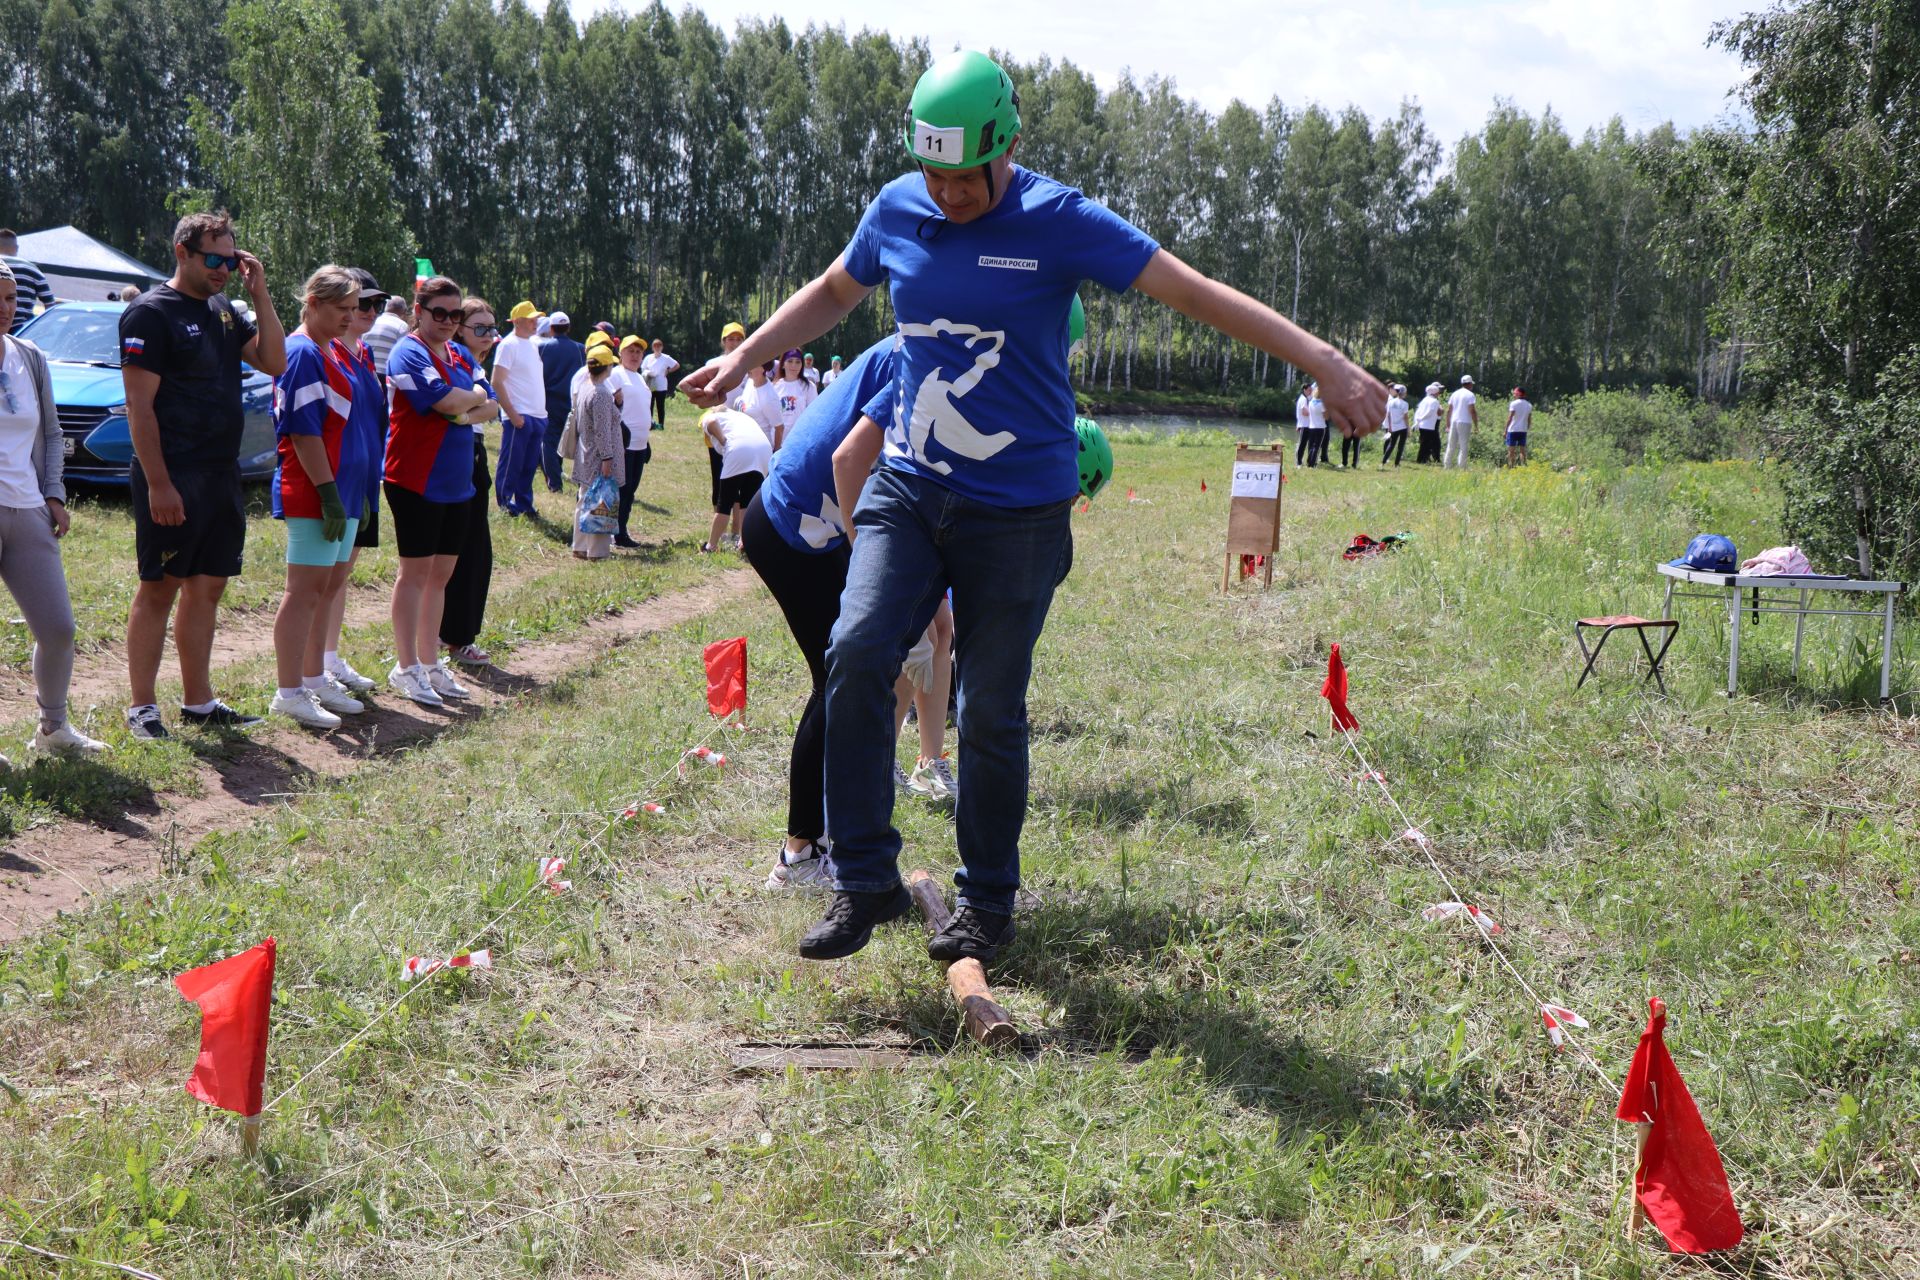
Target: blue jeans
{"x": 550, "y": 447}
{"x": 519, "y": 455}
{"x": 916, "y": 539}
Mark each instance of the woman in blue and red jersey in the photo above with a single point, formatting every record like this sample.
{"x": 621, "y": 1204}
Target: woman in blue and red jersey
{"x": 429, "y": 481}
{"x": 319, "y": 490}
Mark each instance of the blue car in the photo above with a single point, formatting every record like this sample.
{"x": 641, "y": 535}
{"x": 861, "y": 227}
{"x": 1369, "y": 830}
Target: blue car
{"x": 82, "y": 344}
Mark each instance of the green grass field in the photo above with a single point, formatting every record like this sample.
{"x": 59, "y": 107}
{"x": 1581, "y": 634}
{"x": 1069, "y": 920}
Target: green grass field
{"x": 1246, "y": 1053}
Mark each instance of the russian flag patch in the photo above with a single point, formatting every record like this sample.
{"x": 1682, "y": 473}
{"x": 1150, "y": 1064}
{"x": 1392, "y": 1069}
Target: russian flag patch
{"x": 133, "y": 346}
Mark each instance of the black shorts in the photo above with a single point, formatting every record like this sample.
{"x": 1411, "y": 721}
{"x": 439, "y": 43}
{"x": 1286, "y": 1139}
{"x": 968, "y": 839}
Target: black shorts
{"x": 213, "y": 538}
{"x": 738, "y": 491}
{"x": 714, "y": 463}
{"x": 423, "y": 527}
{"x": 368, "y": 534}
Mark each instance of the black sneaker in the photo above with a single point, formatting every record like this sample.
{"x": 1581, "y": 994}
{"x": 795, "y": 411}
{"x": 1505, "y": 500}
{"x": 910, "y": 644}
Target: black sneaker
{"x": 850, "y": 919}
{"x": 221, "y": 717}
{"x": 145, "y": 723}
{"x": 625, "y": 543}
{"x": 972, "y": 934}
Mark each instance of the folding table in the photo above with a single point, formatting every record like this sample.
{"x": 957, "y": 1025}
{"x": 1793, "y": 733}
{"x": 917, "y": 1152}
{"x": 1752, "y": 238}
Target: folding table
{"x": 1791, "y": 596}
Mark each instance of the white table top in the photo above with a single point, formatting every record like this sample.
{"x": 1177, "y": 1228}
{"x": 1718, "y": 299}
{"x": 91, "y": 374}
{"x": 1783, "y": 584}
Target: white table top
{"x": 1789, "y": 582}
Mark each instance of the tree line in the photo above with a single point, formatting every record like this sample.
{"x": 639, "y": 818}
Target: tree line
{"x": 651, "y": 168}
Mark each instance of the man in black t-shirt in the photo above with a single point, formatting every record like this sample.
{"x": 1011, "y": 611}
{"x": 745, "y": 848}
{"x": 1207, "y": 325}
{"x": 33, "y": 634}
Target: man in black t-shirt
{"x": 181, "y": 344}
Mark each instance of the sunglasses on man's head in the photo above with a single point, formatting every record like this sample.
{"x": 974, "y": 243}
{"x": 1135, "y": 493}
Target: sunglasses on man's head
{"x": 444, "y": 315}
{"x": 215, "y": 261}
{"x": 374, "y": 303}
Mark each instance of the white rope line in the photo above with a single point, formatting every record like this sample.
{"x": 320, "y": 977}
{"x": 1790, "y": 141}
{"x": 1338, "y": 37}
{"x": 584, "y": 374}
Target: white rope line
{"x": 1425, "y": 845}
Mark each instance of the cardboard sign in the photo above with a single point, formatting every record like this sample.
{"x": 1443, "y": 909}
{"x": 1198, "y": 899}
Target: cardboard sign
{"x": 1253, "y": 521}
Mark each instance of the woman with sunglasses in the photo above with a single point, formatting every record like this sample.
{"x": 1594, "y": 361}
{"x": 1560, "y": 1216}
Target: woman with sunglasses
{"x": 318, "y": 490}
{"x": 473, "y": 571}
{"x": 368, "y": 418}
{"x": 429, "y": 483}
{"x": 33, "y": 519}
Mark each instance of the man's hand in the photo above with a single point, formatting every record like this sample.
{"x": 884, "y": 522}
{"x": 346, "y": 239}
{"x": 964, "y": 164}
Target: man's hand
{"x": 708, "y": 385}
{"x": 57, "y": 512}
{"x": 517, "y": 420}
{"x": 333, "y": 512}
{"x": 253, "y": 275}
{"x": 163, "y": 503}
{"x": 1356, "y": 400}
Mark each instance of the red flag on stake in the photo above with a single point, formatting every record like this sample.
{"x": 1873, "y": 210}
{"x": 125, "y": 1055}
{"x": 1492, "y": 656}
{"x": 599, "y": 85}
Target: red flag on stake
{"x": 1680, "y": 1179}
{"x": 1203, "y": 486}
{"x": 726, "y": 676}
{"x": 1335, "y": 691}
{"x": 234, "y": 996}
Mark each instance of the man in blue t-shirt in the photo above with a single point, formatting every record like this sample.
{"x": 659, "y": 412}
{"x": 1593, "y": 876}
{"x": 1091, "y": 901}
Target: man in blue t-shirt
{"x": 978, "y": 470}
{"x": 560, "y": 358}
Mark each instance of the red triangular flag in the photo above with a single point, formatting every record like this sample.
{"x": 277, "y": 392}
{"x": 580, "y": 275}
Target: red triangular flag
{"x": 234, "y": 996}
{"x": 1680, "y": 1180}
{"x": 1203, "y": 486}
{"x": 726, "y": 676}
{"x": 1335, "y": 691}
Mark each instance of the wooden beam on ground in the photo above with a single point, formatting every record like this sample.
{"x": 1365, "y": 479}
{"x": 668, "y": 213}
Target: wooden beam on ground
{"x": 987, "y": 1022}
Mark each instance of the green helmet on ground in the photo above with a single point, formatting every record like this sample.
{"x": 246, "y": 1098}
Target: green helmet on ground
{"x": 1077, "y": 327}
{"x": 1096, "y": 457}
{"x": 964, "y": 112}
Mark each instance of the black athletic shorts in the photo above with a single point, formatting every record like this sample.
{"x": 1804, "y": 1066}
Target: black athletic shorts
{"x": 714, "y": 463}
{"x": 423, "y": 527}
{"x": 738, "y": 491}
{"x": 210, "y": 543}
{"x": 368, "y": 535}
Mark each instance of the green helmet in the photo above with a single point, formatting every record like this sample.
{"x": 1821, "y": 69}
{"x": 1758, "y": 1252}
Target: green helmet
{"x": 1096, "y": 457}
{"x": 964, "y": 112}
{"x": 1077, "y": 327}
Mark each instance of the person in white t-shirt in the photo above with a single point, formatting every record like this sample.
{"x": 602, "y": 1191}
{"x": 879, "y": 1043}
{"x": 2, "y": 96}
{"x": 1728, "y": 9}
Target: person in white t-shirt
{"x": 636, "y": 424}
{"x": 1316, "y": 426}
{"x": 521, "y": 384}
{"x": 745, "y": 457}
{"x": 1300, "y": 425}
{"x": 810, "y": 373}
{"x": 1396, "y": 425}
{"x": 1426, "y": 421}
{"x": 833, "y": 371}
{"x": 1519, "y": 416}
{"x": 657, "y": 366}
{"x": 758, "y": 400}
{"x": 795, "y": 393}
{"x": 1463, "y": 415}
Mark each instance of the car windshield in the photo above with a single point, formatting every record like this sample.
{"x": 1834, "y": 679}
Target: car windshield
{"x": 83, "y": 336}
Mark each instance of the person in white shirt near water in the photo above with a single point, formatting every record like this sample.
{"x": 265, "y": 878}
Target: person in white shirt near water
{"x": 1463, "y": 415}
{"x": 1396, "y": 425}
{"x": 1426, "y": 420}
{"x": 1300, "y": 424}
{"x": 1316, "y": 426}
{"x": 1519, "y": 416}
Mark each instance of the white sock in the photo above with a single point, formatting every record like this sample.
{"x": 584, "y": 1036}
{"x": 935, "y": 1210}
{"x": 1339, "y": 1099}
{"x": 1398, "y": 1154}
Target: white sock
{"x": 330, "y": 660}
{"x": 202, "y": 709}
{"x": 313, "y": 682}
{"x": 290, "y": 693}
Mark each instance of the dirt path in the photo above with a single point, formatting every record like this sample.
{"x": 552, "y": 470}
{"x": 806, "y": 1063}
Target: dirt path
{"x": 58, "y": 867}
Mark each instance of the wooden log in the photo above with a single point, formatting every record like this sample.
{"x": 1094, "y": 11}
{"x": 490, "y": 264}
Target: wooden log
{"x": 986, "y": 1021}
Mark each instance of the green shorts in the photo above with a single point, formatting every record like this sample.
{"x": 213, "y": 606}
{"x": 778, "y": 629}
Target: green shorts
{"x": 305, "y": 545}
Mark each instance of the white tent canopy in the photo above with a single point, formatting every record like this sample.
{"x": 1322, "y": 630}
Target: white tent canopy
{"x": 80, "y": 268}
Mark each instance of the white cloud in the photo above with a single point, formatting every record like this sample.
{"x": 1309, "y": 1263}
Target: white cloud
{"x": 1644, "y": 60}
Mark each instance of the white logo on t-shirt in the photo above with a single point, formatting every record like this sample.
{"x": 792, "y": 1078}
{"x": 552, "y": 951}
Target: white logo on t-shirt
{"x": 1010, "y": 264}
{"x": 934, "y": 414}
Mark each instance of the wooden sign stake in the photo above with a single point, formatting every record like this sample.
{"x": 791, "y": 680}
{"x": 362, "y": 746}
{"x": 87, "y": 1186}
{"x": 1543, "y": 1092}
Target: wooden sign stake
{"x": 987, "y": 1022}
{"x": 1253, "y": 521}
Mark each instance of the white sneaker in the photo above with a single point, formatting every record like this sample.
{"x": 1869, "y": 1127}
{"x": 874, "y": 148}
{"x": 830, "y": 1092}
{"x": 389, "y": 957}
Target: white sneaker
{"x": 948, "y": 785}
{"x": 934, "y": 779}
{"x": 805, "y": 870}
{"x": 67, "y": 740}
{"x": 302, "y": 709}
{"x": 442, "y": 678}
{"x": 900, "y": 780}
{"x": 411, "y": 682}
{"x": 334, "y": 697}
{"x": 350, "y": 679}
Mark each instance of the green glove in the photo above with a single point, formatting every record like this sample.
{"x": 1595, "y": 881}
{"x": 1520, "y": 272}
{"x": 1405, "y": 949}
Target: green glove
{"x": 333, "y": 513}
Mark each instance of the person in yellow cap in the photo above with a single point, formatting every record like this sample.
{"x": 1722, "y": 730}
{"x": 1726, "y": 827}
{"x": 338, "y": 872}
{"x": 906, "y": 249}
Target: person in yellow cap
{"x": 636, "y": 423}
{"x": 597, "y": 450}
{"x": 732, "y": 334}
{"x": 520, "y": 382}
{"x": 732, "y": 331}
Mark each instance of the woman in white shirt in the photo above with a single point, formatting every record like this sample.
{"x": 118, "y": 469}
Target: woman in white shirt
{"x": 1316, "y": 426}
{"x": 1396, "y": 425}
{"x": 795, "y": 393}
{"x": 745, "y": 458}
{"x": 1426, "y": 420}
{"x": 759, "y": 401}
{"x": 635, "y": 398}
{"x": 33, "y": 518}
{"x": 657, "y": 366}
{"x": 1519, "y": 416}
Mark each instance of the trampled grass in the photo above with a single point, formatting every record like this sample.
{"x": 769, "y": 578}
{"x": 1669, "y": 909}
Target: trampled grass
{"x": 1247, "y": 1053}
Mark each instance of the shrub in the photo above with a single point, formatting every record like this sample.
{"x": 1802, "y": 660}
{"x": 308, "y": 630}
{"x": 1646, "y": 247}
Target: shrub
{"x": 1625, "y": 428}
{"x": 1269, "y": 404}
{"x": 1853, "y": 479}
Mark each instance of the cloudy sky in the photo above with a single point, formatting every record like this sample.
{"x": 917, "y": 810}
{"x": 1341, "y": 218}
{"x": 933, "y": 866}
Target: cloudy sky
{"x": 1644, "y": 60}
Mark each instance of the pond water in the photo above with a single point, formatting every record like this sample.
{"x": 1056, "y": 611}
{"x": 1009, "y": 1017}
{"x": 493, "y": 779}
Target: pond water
{"x": 1169, "y": 424}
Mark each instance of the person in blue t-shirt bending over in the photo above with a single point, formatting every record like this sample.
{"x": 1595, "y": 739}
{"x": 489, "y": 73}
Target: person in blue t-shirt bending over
{"x": 978, "y": 470}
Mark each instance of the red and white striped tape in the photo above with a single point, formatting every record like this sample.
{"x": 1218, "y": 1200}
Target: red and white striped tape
{"x": 1448, "y": 910}
{"x": 1556, "y": 1019}
{"x": 635, "y": 810}
{"x": 705, "y": 755}
{"x": 420, "y": 966}
{"x": 550, "y": 869}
